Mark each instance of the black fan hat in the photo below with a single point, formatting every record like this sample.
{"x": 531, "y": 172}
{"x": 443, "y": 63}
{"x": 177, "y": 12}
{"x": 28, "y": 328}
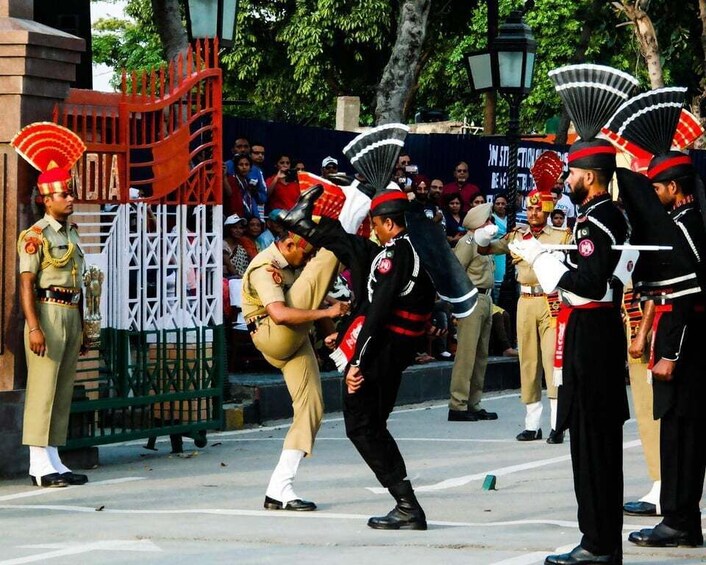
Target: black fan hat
{"x": 374, "y": 153}
{"x": 591, "y": 95}
{"x": 650, "y": 121}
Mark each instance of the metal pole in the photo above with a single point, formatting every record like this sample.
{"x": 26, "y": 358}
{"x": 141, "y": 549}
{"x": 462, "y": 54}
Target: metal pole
{"x": 507, "y": 296}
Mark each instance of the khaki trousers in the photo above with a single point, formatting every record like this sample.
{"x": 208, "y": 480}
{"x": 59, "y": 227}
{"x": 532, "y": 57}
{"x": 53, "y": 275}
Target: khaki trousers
{"x": 648, "y": 427}
{"x": 50, "y": 379}
{"x": 536, "y": 337}
{"x": 468, "y": 374}
{"x": 288, "y": 348}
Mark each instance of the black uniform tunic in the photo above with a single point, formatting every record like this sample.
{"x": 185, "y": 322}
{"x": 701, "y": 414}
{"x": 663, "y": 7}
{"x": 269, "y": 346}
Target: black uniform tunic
{"x": 395, "y": 294}
{"x": 592, "y": 400}
{"x": 680, "y": 336}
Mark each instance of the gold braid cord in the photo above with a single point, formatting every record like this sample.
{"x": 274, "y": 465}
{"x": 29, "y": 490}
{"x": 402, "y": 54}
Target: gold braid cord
{"x": 58, "y": 262}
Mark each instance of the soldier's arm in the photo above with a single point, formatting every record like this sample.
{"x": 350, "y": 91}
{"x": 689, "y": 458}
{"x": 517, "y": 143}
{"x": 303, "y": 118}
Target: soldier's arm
{"x": 466, "y": 250}
{"x": 29, "y": 308}
{"x": 594, "y": 265}
{"x": 497, "y": 246}
{"x": 281, "y": 314}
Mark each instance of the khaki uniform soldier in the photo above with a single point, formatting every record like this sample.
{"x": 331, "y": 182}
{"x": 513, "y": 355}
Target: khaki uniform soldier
{"x": 51, "y": 268}
{"x": 281, "y": 301}
{"x": 468, "y": 374}
{"x": 536, "y": 320}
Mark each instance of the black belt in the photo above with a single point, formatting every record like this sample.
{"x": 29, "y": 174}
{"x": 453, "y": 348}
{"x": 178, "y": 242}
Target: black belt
{"x": 254, "y": 323}
{"x": 60, "y": 295}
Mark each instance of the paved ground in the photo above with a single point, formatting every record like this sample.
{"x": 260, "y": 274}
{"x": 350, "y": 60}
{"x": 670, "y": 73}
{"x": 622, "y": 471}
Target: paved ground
{"x": 206, "y": 507}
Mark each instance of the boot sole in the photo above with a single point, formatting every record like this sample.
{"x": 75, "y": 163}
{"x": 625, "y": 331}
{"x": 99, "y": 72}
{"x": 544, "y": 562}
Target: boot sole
{"x": 398, "y": 527}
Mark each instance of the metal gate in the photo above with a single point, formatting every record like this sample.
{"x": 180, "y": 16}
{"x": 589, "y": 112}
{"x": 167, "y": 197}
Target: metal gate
{"x": 149, "y": 194}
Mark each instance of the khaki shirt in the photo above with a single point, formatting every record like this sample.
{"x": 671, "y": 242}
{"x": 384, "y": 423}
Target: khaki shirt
{"x": 524, "y": 272}
{"x": 65, "y": 265}
{"x": 479, "y": 268}
{"x": 266, "y": 280}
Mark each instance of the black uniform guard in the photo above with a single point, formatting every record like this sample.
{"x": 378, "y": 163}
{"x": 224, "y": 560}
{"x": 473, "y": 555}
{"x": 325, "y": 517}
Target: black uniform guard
{"x": 676, "y": 360}
{"x": 393, "y": 301}
{"x": 591, "y": 369}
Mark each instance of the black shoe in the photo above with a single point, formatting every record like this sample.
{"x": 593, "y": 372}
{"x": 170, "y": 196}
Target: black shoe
{"x": 297, "y": 505}
{"x": 298, "y": 218}
{"x": 664, "y": 536}
{"x": 52, "y": 480}
{"x": 640, "y": 508}
{"x": 74, "y": 478}
{"x": 483, "y": 415}
{"x": 581, "y": 555}
{"x": 529, "y": 435}
{"x": 406, "y": 515}
{"x": 461, "y": 416}
{"x": 555, "y": 437}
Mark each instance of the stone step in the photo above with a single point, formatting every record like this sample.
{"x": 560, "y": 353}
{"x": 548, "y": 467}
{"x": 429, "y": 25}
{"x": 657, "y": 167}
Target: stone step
{"x": 259, "y": 397}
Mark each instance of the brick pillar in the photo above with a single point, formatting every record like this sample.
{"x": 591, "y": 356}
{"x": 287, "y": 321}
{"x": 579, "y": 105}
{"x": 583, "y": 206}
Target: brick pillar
{"x": 37, "y": 64}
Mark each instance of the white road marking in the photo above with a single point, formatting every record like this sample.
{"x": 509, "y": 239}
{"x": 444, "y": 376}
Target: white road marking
{"x": 43, "y": 491}
{"x": 64, "y": 549}
{"x": 500, "y": 472}
{"x": 286, "y": 424}
{"x": 535, "y": 557}
{"x": 398, "y": 439}
{"x": 318, "y": 515}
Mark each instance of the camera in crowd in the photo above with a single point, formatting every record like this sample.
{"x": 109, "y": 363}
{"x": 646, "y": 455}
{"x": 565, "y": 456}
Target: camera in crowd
{"x": 290, "y": 175}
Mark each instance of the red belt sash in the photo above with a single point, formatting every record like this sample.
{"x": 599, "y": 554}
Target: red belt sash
{"x": 565, "y": 311}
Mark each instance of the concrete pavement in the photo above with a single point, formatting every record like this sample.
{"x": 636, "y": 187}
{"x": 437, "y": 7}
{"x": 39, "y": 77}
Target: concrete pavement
{"x": 206, "y": 506}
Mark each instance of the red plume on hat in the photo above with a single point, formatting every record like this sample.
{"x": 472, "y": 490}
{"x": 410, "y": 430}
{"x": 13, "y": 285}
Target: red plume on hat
{"x": 545, "y": 172}
{"x": 51, "y": 149}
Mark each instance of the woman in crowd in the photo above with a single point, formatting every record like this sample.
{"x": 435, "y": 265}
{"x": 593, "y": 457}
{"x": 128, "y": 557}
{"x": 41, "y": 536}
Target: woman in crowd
{"x": 243, "y": 190}
{"x": 255, "y": 231}
{"x": 282, "y": 187}
{"x": 454, "y": 220}
{"x": 500, "y": 220}
{"x": 238, "y": 250}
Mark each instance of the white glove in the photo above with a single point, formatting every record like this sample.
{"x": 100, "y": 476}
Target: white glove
{"x": 527, "y": 248}
{"x": 558, "y": 255}
{"x": 482, "y": 236}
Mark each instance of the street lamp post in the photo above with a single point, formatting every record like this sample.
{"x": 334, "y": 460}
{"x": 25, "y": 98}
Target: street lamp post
{"x": 507, "y": 67}
{"x": 207, "y": 19}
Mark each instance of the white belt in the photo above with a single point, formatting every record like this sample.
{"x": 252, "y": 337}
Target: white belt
{"x": 575, "y": 300}
{"x": 532, "y": 289}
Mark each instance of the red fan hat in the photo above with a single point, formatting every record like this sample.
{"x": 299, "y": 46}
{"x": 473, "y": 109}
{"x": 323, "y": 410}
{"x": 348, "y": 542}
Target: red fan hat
{"x": 52, "y": 150}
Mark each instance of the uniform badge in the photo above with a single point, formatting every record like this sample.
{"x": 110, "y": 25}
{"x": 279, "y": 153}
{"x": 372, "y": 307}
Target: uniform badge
{"x": 384, "y": 266}
{"x": 32, "y": 245}
{"x": 276, "y": 275}
{"x": 586, "y": 248}
{"x": 583, "y": 232}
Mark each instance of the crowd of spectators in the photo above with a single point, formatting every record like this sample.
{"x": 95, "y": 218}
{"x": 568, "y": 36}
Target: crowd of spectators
{"x": 254, "y": 192}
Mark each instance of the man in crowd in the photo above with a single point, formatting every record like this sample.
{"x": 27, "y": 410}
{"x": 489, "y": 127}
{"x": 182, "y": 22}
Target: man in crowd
{"x": 461, "y": 185}
{"x": 536, "y": 323}
{"x": 329, "y": 166}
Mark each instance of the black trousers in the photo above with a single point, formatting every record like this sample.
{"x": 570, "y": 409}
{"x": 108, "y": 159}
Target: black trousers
{"x": 683, "y": 462}
{"x": 366, "y": 411}
{"x": 597, "y": 460}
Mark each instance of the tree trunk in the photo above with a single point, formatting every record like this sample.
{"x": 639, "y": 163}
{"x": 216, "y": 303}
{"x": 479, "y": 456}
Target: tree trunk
{"x": 489, "y": 112}
{"x": 396, "y": 84}
{"x": 647, "y": 39}
{"x": 167, "y": 17}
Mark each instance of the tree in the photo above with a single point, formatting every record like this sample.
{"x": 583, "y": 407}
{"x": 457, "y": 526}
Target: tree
{"x": 636, "y": 12}
{"x": 402, "y": 69}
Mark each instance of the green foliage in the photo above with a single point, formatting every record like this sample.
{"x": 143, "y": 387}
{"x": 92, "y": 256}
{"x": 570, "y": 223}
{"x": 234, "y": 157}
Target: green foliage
{"x": 293, "y": 57}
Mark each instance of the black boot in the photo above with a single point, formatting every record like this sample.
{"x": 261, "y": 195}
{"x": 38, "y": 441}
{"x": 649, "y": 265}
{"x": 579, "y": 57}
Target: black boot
{"x": 298, "y": 219}
{"x": 406, "y": 515}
